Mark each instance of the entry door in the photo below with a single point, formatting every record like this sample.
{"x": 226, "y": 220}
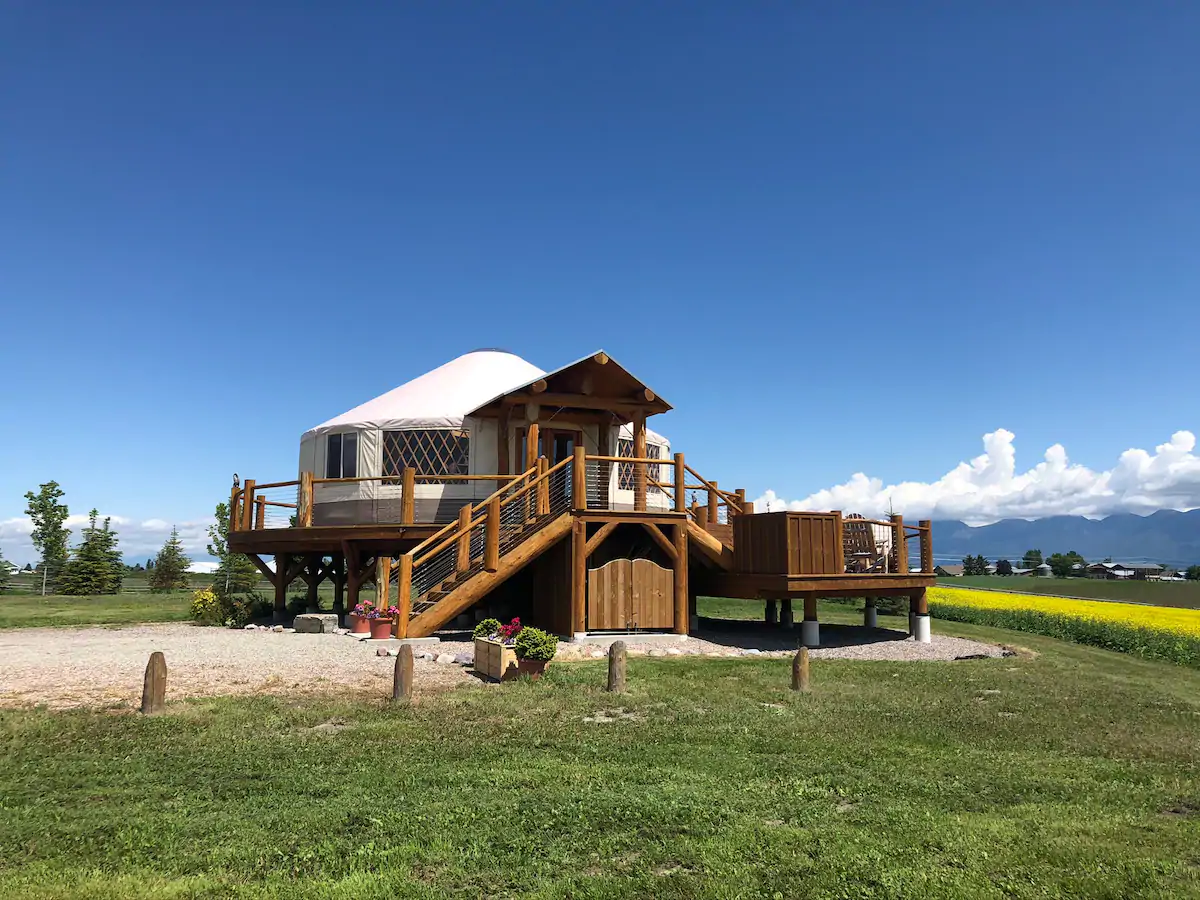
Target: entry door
{"x": 557, "y": 444}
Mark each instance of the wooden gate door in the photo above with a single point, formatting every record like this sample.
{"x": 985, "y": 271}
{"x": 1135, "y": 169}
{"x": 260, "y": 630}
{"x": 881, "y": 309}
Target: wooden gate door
{"x": 630, "y": 595}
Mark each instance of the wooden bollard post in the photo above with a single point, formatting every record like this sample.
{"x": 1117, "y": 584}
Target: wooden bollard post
{"x": 800, "y": 670}
{"x": 402, "y": 686}
{"x": 616, "y": 667}
{"x": 154, "y": 686}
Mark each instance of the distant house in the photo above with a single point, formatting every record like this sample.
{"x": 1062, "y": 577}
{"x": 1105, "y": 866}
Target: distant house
{"x": 953, "y": 571}
{"x": 1043, "y": 571}
{"x": 1017, "y": 570}
{"x": 1116, "y": 571}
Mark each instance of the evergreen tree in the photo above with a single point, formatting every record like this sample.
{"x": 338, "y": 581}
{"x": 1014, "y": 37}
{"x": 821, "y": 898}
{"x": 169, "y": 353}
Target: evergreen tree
{"x": 1003, "y": 567}
{"x": 170, "y": 566}
{"x": 235, "y": 573}
{"x": 49, "y": 534}
{"x": 95, "y": 565}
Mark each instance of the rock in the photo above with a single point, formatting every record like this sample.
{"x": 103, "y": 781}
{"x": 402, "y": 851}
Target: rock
{"x": 674, "y": 651}
{"x": 278, "y": 629}
{"x": 425, "y": 654}
{"x": 316, "y": 623}
{"x": 446, "y": 659}
{"x": 341, "y": 631}
{"x": 657, "y": 651}
{"x": 753, "y": 651}
{"x": 251, "y": 627}
{"x": 382, "y": 651}
{"x": 465, "y": 659}
{"x": 597, "y": 654}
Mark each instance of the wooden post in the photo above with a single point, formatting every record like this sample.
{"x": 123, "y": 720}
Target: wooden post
{"x": 681, "y": 578}
{"x": 339, "y": 585}
{"x": 531, "y": 446}
{"x": 696, "y": 511}
{"x": 926, "y": 545}
{"x": 248, "y": 505}
{"x": 741, "y": 500}
{"x": 680, "y": 478}
{"x": 408, "y": 499}
{"x": 502, "y": 463}
{"x": 713, "y": 499}
{"x": 800, "y": 670}
{"x": 578, "y": 576}
{"x": 313, "y": 564}
{"x": 402, "y": 683}
{"x": 616, "y": 667}
{"x": 154, "y": 685}
{"x": 383, "y": 581}
{"x": 918, "y": 604}
{"x": 579, "y": 479}
{"x": 639, "y": 468}
{"x": 304, "y": 510}
{"x": 462, "y": 556}
{"x": 543, "y": 487}
{"x": 839, "y": 546}
{"x": 491, "y": 543}
{"x": 899, "y": 544}
{"x": 810, "y": 608}
{"x": 279, "y": 613}
{"x": 235, "y": 518}
{"x": 771, "y": 616}
{"x": 404, "y": 600}
{"x": 785, "y": 612}
{"x": 260, "y": 514}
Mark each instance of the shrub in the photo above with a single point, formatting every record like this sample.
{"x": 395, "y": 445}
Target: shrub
{"x": 487, "y": 628}
{"x": 535, "y": 644}
{"x": 892, "y": 606}
{"x": 297, "y": 605}
{"x": 207, "y": 608}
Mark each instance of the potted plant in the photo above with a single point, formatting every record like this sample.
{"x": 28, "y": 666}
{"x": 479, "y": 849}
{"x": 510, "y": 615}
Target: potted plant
{"x": 534, "y": 648}
{"x": 381, "y": 621}
{"x": 494, "y": 653}
{"x": 359, "y": 623}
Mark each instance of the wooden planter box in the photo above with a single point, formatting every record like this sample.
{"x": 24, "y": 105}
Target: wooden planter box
{"x": 495, "y": 660}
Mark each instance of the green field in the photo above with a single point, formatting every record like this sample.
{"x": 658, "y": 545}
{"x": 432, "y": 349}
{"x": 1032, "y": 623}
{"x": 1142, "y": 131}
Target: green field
{"x": 1185, "y": 594}
{"x": 1068, "y": 771}
{"x": 31, "y": 610}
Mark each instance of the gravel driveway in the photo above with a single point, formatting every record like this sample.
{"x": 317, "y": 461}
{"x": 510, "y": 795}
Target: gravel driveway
{"x": 103, "y": 665}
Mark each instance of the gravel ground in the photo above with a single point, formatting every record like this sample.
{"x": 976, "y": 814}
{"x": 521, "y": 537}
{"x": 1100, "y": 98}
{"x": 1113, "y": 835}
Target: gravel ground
{"x": 103, "y": 666}
{"x": 99, "y": 666}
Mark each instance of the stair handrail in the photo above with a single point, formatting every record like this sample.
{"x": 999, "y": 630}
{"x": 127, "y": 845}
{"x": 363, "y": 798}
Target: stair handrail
{"x": 481, "y": 505}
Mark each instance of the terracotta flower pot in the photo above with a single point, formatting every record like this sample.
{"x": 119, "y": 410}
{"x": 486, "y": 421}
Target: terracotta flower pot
{"x": 359, "y": 624}
{"x": 381, "y": 629}
{"x": 532, "y": 667}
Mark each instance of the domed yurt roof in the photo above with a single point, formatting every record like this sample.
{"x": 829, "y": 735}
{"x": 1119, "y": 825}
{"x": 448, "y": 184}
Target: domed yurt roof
{"x": 440, "y": 398}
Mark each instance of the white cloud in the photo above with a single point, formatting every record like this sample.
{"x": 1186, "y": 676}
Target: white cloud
{"x": 989, "y": 487}
{"x": 138, "y": 540}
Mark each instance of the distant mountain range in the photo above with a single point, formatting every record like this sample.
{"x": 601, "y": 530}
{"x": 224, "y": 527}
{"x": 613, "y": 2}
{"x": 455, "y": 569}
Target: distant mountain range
{"x": 1166, "y": 537}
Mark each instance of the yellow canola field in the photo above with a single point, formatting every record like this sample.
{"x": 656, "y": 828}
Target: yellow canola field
{"x": 1158, "y": 618}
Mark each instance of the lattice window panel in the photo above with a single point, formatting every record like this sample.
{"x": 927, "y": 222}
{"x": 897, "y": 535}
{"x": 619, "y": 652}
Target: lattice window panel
{"x": 431, "y": 451}
{"x": 625, "y": 470}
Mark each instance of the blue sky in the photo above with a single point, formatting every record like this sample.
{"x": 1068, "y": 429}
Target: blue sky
{"x": 838, "y": 239}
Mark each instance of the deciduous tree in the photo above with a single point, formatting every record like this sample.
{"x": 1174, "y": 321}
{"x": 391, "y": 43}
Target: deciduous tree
{"x": 1003, "y": 567}
{"x": 1032, "y": 559}
{"x": 49, "y": 534}
{"x": 1192, "y": 573}
{"x": 235, "y": 574}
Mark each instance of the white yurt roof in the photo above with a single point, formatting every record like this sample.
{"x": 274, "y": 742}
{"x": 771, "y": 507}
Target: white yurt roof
{"x": 440, "y": 398}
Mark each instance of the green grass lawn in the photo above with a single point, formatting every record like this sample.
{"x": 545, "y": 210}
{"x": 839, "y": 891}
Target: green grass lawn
{"x": 29, "y": 610}
{"x": 1185, "y": 594}
{"x": 1069, "y": 771}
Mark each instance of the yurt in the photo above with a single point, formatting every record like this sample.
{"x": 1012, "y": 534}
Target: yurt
{"x": 441, "y": 423}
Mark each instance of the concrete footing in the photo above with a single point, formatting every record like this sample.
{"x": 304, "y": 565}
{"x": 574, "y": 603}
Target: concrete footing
{"x": 871, "y": 617}
{"x": 810, "y": 633}
{"x": 921, "y": 630}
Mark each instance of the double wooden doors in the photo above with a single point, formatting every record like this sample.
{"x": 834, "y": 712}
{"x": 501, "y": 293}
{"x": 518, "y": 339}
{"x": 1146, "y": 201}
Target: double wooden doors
{"x": 630, "y": 595}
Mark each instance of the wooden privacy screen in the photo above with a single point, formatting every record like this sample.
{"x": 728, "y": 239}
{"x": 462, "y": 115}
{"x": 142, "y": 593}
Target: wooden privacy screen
{"x": 630, "y": 594}
{"x": 789, "y": 543}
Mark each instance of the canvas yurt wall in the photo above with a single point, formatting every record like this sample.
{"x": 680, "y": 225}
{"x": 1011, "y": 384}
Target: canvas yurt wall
{"x": 425, "y": 424}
